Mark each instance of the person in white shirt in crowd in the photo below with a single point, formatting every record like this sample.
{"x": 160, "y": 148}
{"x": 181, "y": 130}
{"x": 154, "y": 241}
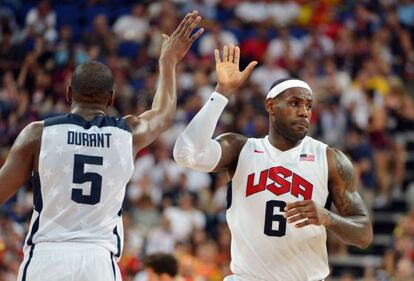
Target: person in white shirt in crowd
{"x": 133, "y": 27}
{"x": 267, "y": 72}
{"x": 277, "y": 46}
{"x": 185, "y": 217}
{"x": 161, "y": 238}
{"x": 41, "y": 20}
{"x": 215, "y": 37}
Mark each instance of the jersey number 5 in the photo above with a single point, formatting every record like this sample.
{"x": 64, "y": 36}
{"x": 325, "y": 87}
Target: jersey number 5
{"x": 79, "y": 176}
{"x": 271, "y": 217}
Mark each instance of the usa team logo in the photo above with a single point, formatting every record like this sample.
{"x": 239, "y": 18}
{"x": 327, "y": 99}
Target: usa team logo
{"x": 306, "y": 157}
{"x": 281, "y": 181}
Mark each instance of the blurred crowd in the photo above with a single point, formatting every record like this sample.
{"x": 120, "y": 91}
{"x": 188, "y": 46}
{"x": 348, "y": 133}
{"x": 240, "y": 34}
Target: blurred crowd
{"x": 357, "y": 56}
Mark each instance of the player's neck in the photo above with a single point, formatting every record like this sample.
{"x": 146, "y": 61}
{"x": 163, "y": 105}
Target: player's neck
{"x": 281, "y": 142}
{"x": 87, "y": 111}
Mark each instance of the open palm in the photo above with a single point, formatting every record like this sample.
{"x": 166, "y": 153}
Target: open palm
{"x": 175, "y": 47}
{"x": 229, "y": 76}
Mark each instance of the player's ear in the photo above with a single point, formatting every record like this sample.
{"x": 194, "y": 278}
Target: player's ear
{"x": 111, "y": 99}
{"x": 69, "y": 97}
{"x": 269, "y": 107}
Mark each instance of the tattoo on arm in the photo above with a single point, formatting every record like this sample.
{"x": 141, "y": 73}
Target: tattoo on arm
{"x": 352, "y": 225}
{"x": 346, "y": 193}
{"x": 345, "y": 170}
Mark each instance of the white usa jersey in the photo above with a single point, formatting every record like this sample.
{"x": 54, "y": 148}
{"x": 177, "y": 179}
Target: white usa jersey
{"x": 79, "y": 189}
{"x": 264, "y": 246}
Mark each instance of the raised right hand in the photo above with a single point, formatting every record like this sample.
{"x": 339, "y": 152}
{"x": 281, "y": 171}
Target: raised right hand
{"x": 229, "y": 77}
{"x": 177, "y": 45}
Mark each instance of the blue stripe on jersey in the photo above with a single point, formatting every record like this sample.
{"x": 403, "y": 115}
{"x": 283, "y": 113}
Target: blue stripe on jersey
{"x": 229, "y": 194}
{"x": 123, "y": 204}
{"x": 99, "y": 121}
{"x": 113, "y": 266}
{"x": 38, "y": 205}
{"x": 328, "y": 203}
{"x": 27, "y": 264}
{"x": 118, "y": 242}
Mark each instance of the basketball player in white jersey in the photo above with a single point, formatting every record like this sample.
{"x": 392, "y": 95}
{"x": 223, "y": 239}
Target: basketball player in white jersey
{"x": 81, "y": 163}
{"x": 281, "y": 185}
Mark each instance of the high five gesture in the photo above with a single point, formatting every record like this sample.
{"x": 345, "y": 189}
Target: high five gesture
{"x": 229, "y": 76}
{"x": 176, "y": 46}
{"x": 150, "y": 124}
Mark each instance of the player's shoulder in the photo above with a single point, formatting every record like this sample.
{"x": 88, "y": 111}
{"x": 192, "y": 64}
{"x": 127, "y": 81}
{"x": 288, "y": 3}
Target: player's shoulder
{"x": 234, "y": 140}
{"x": 312, "y": 141}
{"x": 98, "y": 121}
{"x": 135, "y": 122}
{"x": 35, "y": 129}
{"x": 338, "y": 162}
{"x": 233, "y": 136}
{"x": 31, "y": 134}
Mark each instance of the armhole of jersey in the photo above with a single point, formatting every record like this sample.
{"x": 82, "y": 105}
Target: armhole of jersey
{"x": 229, "y": 195}
{"x": 41, "y": 142}
{"x": 328, "y": 203}
{"x": 248, "y": 142}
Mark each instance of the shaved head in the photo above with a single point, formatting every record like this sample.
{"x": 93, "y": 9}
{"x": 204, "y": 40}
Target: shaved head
{"x": 92, "y": 82}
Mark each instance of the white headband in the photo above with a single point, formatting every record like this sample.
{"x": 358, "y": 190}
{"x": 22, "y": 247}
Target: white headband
{"x": 279, "y": 88}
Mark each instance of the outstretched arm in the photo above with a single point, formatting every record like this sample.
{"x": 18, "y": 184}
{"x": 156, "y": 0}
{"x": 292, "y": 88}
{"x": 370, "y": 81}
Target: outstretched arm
{"x": 352, "y": 224}
{"x": 150, "y": 124}
{"x": 195, "y": 147}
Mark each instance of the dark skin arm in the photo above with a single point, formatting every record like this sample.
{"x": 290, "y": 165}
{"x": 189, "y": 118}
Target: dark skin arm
{"x": 150, "y": 124}
{"x": 231, "y": 145}
{"x": 352, "y": 224}
{"x": 21, "y": 161}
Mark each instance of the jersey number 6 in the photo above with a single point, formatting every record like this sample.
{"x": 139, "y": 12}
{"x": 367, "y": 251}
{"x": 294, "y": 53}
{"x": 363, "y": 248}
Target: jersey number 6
{"x": 271, "y": 217}
{"x": 79, "y": 176}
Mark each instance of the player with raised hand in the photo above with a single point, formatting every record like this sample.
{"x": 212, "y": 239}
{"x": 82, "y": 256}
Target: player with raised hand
{"x": 281, "y": 184}
{"x": 80, "y": 164}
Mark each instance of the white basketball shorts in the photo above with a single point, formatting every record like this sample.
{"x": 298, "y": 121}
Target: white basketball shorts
{"x": 68, "y": 262}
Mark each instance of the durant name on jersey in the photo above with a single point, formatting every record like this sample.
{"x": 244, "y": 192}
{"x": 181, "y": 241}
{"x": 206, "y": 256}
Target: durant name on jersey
{"x": 89, "y": 139}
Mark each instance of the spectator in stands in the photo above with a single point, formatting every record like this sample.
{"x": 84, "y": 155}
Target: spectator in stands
{"x": 206, "y": 266}
{"x": 185, "y": 217}
{"x": 380, "y": 143}
{"x": 161, "y": 239}
{"x": 282, "y": 13}
{"x": 133, "y": 27}
{"x": 255, "y": 47}
{"x": 317, "y": 45}
{"x": 161, "y": 267}
{"x": 215, "y": 38}
{"x": 251, "y": 11}
{"x": 41, "y": 21}
{"x": 359, "y": 149}
{"x": 404, "y": 271}
{"x": 100, "y": 36}
{"x": 267, "y": 72}
{"x": 284, "y": 44}
{"x": 10, "y": 52}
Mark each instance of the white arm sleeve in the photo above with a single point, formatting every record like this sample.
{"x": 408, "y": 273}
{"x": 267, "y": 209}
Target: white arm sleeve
{"x": 194, "y": 147}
